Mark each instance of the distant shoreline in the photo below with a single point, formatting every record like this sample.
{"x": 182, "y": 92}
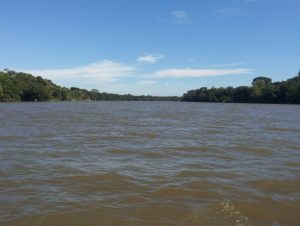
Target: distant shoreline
{"x": 23, "y": 87}
{"x": 132, "y": 101}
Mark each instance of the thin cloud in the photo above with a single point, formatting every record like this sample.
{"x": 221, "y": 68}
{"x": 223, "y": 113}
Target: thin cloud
{"x": 197, "y": 73}
{"x": 225, "y": 65}
{"x": 150, "y": 58}
{"x": 146, "y": 82}
{"x": 181, "y": 17}
{"x": 230, "y": 12}
{"x": 99, "y": 72}
{"x": 180, "y": 14}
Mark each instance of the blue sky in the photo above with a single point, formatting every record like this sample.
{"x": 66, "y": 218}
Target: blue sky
{"x": 158, "y": 47}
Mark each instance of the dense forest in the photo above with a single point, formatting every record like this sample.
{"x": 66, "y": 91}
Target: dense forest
{"x": 262, "y": 90}
{"x": 20, "y": 86}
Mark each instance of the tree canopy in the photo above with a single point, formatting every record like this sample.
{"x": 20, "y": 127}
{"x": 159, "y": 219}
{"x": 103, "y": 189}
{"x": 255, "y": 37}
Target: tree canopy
{"x": 19, "y": 86}
{"x": 262, "y": 90}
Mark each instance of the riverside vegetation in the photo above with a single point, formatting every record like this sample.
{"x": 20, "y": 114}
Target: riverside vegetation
{"x": 262, "y": 90}
{"x": 19, "y": 86}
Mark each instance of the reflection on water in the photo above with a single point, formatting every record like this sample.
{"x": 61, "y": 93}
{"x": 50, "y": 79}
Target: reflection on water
{"x": 149, "y": 163}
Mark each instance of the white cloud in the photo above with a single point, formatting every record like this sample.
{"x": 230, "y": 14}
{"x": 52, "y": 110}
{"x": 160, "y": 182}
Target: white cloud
{"x": 146, "y": 82}
{"x": 103, "y": 71}
{"x": 181, "y": 17}
{"x": 180, "y": 14}
{"x": 150, "y": 58}
{"x": 196, "y": 73}
{"x": 230, "y": 11}
{"x": 225, "y": 65}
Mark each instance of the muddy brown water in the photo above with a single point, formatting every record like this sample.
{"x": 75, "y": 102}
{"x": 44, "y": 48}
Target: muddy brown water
{"x": 149, "y": 163}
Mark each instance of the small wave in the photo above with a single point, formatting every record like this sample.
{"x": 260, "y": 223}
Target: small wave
{"x": 114, "y": 137}
{"x": 293, "y": 164}
{"x": 181, "y": 192}
{"x": 279, "y": 129}
{"x": 277, "y": 186}
{"x": 193, "y": 148}
{"x": 122, "y": 151}
{"x": 98, "y": 177}
{"x": 152, "y": 154}
{"x": 255, "y": 150}
{"x": 11, "y": 138}
{"x": 205, "y": 174}
{"x": 105, "y": 183}
{"x": 151, "y": 135}
{"x": 61, "y": 154}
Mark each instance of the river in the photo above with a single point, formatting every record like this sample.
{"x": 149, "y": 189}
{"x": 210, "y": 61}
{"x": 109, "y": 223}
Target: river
{"x": 149, "y": 163}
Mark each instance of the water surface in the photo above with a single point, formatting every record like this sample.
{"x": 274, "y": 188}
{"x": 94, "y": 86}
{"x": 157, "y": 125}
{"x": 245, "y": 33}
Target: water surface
{"x": 149, "y": 163}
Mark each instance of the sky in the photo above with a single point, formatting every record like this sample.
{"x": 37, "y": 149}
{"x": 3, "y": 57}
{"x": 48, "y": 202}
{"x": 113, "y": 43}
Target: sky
{"x": 157, "y": 47}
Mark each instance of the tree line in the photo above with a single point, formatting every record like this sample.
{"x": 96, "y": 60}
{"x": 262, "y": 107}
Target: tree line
{"x": 262, "y": 90}
{"x": 19, "y": 86}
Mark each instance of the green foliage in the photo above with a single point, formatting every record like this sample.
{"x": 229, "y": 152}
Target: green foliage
{"x": 293, "y": 90}
{"x": 263, "y": 90}
{"x": 260, "y": 81}
{"x": 241, "y": 94}
{"x": 16, "y": 86}
{"x": 1, "y": 91}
